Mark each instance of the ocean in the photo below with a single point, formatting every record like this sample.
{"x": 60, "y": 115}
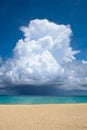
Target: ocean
{"x": 42, "y": 99}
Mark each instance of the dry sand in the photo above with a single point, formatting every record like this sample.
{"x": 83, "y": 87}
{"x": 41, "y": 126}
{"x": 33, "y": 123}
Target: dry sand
{"x": 43, "y": 117}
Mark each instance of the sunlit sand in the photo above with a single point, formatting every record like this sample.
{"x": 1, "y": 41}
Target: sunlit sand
{"x": 43, "y": 117}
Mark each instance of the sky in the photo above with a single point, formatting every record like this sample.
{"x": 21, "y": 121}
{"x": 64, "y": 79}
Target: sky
{"x": 43, "y": 41}
{"x": 15, "y": 13}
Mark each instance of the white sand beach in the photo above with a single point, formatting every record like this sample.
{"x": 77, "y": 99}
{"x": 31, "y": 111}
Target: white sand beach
{"x": 43, "y": 117}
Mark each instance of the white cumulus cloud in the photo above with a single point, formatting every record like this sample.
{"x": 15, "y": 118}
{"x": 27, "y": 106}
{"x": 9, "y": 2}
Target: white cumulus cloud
{"x": 45, "y": 55}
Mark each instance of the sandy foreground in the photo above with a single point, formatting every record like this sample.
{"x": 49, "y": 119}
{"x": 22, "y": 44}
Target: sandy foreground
{"x": 43, "y": 117}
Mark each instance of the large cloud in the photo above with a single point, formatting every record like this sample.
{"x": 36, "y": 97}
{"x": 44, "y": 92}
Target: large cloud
{"x": 44, "y": 55}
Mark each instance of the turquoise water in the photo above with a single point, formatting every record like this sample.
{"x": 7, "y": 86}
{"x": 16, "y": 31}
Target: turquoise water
{"x": 41, "y": 100}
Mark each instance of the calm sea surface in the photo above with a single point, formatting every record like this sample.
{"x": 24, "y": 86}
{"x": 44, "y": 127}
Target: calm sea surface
{"x": 41, "y": 100}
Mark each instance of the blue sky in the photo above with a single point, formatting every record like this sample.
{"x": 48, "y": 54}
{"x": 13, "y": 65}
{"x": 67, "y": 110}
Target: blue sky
{"x": 15, "y": 13}
{"x": 44, "y": 54}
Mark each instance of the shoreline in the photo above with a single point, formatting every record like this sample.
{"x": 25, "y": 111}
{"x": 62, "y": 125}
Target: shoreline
{"x": 43, "y": 117}
{"x": 37, "y": 104}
